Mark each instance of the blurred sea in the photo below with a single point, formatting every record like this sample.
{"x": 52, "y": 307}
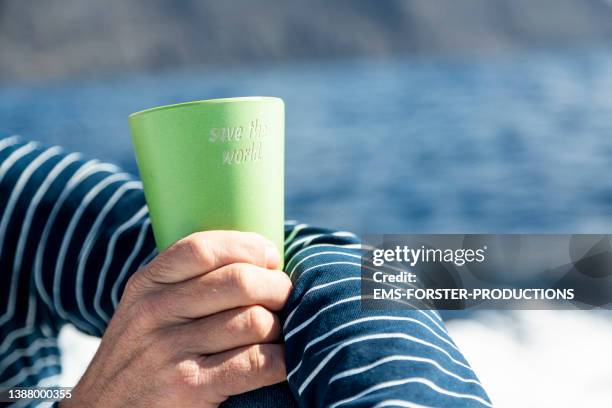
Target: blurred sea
{"x": 499, "y": 144}
{"x": 504, "y": 144}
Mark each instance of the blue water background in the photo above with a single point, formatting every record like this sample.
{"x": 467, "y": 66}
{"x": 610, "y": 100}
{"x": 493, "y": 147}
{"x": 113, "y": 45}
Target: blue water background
{"x": 504, "y": 144}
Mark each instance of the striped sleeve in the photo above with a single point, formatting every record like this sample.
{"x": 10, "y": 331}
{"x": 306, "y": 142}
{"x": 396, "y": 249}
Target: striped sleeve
{"x": 72, "y": 231}
{"x": 339, "y": 355}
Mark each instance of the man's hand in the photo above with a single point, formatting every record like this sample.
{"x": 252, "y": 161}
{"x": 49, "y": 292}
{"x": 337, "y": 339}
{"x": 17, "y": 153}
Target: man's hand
{"x": 193, "y": 327}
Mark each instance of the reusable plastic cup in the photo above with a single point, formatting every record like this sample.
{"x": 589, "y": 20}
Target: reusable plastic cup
{"x": 213, "y": 165}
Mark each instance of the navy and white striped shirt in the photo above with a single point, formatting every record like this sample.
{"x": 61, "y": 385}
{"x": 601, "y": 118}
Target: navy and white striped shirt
{"x": 72, "y": 231}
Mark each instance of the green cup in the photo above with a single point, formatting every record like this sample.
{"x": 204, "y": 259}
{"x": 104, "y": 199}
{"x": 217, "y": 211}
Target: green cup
{"x": 213, "y": 165}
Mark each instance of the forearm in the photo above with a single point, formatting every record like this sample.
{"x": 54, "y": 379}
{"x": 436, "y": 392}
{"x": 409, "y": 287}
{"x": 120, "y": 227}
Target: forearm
{"x": 78, "y": 228}
{"x": 71, "y": 232}
{"x": 341, "y": 355}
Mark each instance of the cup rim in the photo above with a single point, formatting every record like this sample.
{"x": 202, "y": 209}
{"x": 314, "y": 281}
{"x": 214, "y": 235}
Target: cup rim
{"x": 207, "y": 102}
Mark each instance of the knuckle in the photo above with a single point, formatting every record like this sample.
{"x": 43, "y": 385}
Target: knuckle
{"x": 136, "y": 284}
{"x": 152, "y": 273}
{"x": 266, "y": 361}
{"x": 240, "y": 323}
{"x": 238, "y": 276}
{"x": 146, "y": 310}
{"x": 255, "y": 360}
{"x": 198, "y": 247}
{"x": 254, "y": 246}
{"x": 275, "y": 363}
{"x": 247, "y": 246}
{"x": 136, "y": 287}
{"x": 260, "y": 322}
{"x": 189, "y": 373}
{"x": 193, "y": 375}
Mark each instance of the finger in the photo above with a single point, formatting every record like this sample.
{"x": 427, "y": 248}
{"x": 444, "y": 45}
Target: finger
{"x": 226, "y": 288}
{"x": 227, "y": 330}
{"x": 244, "y": 369}
{"x": 203, "y": 252}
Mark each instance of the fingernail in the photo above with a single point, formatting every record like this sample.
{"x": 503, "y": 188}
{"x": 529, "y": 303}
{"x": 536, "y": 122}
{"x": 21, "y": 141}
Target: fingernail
{"x": 272, "y": 256}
